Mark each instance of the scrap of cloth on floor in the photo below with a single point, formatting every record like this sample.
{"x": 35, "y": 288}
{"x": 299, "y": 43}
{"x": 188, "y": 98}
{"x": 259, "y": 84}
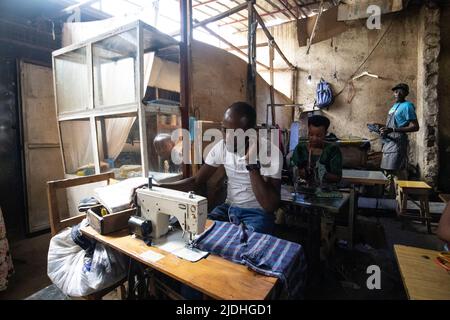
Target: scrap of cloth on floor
{"x": 6, "y": 265}
{"x": 262, "y": 253}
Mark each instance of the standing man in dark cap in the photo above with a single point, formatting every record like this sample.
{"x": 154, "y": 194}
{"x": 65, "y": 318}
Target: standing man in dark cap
{"x": 401, "y": 120}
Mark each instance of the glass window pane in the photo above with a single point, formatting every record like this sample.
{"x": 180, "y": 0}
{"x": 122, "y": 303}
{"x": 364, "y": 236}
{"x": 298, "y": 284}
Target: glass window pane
{"x": 71, "y": 77}
{"x": 163, "y": 154}
{"x": 77, "y": 147}
{"x": 114, "y": 61}
{"x": 119, "y": 146}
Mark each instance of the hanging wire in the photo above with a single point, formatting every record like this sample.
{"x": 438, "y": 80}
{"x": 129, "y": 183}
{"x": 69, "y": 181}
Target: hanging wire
{"x": 367, "y": 58}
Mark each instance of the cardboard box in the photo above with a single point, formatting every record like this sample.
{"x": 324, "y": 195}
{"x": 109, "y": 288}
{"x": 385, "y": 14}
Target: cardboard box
{"x": 109, "y": 223}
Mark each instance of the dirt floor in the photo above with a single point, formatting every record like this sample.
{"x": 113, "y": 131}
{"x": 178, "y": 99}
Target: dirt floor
{"x": 30, "y": 267}
{"x": 345, "y": 274}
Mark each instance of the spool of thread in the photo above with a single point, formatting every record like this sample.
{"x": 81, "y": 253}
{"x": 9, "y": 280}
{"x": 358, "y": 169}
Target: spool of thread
{"x": 150, "y": 181}
{"x": 103, "y": 212}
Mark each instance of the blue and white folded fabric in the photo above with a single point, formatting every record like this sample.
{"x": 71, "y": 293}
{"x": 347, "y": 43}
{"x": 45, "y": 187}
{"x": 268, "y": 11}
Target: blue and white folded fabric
{"x": 87, "y": 203}
{"x": 262, "y": 253}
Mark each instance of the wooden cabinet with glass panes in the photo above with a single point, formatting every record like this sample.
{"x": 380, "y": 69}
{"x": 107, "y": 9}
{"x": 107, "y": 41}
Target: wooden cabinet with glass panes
{"x": 115, "y": 93}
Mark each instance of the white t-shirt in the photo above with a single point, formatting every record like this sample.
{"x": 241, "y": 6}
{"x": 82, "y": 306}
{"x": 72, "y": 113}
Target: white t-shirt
{"x": 239, "y": 191}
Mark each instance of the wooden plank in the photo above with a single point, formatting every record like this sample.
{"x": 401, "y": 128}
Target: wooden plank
{"x": 56, "y": 224}
{"x": 214, "y": 276}
{"x": 422, "y": 277}
{"x": 327, "y": 27}
{"x": 42, "y": 155}
{"x": 72, "y": 182}
{"x": 69, "y": 222}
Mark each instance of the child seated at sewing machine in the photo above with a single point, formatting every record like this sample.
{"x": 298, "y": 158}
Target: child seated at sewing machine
{"x": 319, "y": 163}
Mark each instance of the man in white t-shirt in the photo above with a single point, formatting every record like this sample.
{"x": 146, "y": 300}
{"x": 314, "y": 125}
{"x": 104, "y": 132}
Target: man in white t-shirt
{"x": 253, "y": 187}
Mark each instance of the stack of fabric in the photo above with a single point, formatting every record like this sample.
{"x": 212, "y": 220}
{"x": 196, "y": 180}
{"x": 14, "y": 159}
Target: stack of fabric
{"x": 262, "y": 253}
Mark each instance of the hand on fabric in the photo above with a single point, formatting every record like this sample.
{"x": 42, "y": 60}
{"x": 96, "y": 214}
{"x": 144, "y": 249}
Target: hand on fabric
{"x": 385, "y": 130}
{"x": 322, "y": 170}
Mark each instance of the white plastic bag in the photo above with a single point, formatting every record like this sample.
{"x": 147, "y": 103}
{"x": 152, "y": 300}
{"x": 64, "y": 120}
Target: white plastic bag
{"x": 77, "y": 274}
{"x": 108, "y": 267}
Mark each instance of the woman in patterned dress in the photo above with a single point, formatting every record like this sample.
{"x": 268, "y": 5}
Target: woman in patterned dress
{"x": 6, "y": 266}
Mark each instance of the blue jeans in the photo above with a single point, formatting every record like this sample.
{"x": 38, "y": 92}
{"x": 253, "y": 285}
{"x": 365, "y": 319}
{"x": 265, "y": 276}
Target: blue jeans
{"x": 254, "y": 219}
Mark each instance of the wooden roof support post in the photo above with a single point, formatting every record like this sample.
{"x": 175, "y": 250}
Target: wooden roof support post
{"x": 185, "y": 70}
{"x": 271, "y": 58}
{"x": 251, "y": 66}
{"x": 294, "y": 89}
{"x": 272, "y": 96}
{"x": 314, "y": 28}
{"x": 272, "y": 40}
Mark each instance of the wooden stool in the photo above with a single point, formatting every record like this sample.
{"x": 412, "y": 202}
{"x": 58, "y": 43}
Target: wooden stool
{"x": 416, "y": 188}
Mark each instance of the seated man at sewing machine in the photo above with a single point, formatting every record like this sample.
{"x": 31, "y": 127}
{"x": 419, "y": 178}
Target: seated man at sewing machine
{"x": 319, "y": 163}
{"x": 253, "y": 189}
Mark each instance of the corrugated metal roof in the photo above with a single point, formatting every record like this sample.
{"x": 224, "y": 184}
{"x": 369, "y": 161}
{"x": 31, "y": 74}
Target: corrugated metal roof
{"x": 271, "y": 11}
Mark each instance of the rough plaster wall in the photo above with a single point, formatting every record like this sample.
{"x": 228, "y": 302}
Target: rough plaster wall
{"x": 286, "y": 37}
{"x": 444, "y": 101}
{"x": 219, "y": 79}
{"x": 395, "y": 60}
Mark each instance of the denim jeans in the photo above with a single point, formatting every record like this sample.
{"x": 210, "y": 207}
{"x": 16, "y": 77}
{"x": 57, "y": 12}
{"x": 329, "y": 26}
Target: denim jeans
{"x": 254, "y": 219}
